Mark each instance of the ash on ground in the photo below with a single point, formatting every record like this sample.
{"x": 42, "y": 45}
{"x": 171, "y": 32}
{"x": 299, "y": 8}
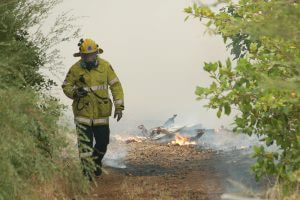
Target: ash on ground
{"x": 210, "y": 165}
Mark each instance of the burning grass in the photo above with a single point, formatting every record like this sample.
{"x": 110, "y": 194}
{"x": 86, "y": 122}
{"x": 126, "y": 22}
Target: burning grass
{"x": 181, "y": 140}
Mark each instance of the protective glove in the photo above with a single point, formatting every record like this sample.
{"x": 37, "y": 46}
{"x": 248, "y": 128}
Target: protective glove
{"x": 118, "y": 114}
{"x": 79, "y": 93}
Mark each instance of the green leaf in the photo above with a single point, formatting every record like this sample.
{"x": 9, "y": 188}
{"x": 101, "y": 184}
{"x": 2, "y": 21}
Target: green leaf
{"x": 258, "y": 149}
{"x": 269, "y": 141}
{"x": 209, "y": 23}
{"x": 220, "y": 64}
{"x": 188, "y": 10}
{"x": 227, "y": 109}
{"x": 200, "y": 91}
{"x": 214, "y": 67}
{"x": 240, "y": 122}
{"x": 213, "y": 86}
{"x": 242, "y": 64}
{"x": 253, "y": 47}
{"x": 210, "y": 67}
{"x": 195, "y": 6}
{"x": 186, "y": 18}
{"x": 219, "y": 112}
{"x": 228, "y": 63}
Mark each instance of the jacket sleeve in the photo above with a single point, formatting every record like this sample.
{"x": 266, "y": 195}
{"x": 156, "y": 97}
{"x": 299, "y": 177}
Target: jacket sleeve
{"x": 69, "y": 85}
{"x": 116, "y": 89}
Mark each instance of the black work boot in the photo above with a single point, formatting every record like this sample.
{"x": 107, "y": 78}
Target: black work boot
{"x": 98, "y": 171}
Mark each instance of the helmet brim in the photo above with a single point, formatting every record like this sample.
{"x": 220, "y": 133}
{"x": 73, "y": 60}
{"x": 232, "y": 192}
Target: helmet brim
{"x": 100, "y": 51}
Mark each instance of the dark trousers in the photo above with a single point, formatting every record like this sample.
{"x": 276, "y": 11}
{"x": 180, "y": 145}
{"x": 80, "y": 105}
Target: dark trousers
{"x": 86, "y": 135}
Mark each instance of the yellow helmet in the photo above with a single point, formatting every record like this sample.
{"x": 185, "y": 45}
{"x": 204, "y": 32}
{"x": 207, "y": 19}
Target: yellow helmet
{"x": 88, "y": 46}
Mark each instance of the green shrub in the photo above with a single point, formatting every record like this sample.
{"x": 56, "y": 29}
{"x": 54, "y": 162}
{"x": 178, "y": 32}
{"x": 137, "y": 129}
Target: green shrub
{"x": 31, "y": 146}
{"x": 263, "y": 85}
{"x": 36, "y": 159}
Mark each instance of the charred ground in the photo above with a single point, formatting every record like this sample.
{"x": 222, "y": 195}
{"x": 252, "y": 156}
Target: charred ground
{"x": 166, "y": 171}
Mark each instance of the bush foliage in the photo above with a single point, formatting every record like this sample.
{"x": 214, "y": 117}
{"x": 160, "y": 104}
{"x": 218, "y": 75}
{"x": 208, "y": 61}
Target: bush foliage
{"x": 263, "y": 82}
{"x": 31, "y": 141}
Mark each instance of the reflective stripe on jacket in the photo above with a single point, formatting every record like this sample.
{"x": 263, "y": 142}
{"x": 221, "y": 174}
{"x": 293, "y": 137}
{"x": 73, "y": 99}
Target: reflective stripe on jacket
{"x": 96, "y": 107}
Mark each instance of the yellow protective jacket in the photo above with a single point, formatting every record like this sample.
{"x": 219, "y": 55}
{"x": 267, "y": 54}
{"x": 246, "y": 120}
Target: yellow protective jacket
{"x": 96, "y": 107}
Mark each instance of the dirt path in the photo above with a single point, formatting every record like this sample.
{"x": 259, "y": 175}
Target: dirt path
{"x": 161, "y": 171}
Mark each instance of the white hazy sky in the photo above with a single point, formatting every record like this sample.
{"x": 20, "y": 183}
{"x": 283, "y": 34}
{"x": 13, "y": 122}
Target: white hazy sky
{"x": 157, "y": 56}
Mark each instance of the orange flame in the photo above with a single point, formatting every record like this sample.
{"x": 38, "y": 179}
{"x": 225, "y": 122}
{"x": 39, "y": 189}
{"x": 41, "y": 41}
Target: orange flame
{"x": 180, "y": 140}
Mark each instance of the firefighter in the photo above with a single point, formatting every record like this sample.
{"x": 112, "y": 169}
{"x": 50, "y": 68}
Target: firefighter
{"x": 87, "y": 85}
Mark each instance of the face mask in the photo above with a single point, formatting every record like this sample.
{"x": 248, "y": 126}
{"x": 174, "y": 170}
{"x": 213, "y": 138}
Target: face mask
{"x": 90, "y": 60}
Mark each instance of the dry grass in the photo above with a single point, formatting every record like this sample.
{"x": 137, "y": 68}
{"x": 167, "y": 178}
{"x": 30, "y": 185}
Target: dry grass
{"x": 67, "y": 183}
{"x": 275, "y": 193}
{"x": 146, "y": 188}
{"x": 59, "y": 188}
{"x": 55, "y": 189}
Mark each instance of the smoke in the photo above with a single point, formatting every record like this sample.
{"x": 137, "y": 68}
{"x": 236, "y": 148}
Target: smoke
{"x": 234, "y": 159}
{"x": 226, "y": 140}
{"x": 120, "y": 133}
{"x": 116, "y": 152}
